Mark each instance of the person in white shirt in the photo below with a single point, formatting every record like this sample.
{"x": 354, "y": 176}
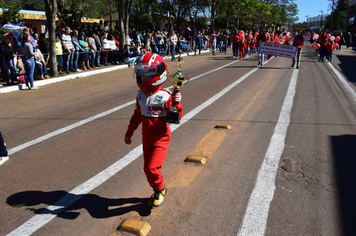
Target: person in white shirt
{"x": 173, "y": 43}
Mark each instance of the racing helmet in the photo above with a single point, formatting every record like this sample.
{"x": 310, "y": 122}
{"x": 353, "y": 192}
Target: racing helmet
{"x": 150, "y": 72}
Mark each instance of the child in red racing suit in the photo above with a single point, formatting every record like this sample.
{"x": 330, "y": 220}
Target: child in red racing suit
{"x": 152, "y": 104}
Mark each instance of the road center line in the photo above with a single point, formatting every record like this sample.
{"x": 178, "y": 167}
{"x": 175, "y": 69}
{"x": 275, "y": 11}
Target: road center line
{"x": 255, "y": 219}
{"x": 41, "y": 219}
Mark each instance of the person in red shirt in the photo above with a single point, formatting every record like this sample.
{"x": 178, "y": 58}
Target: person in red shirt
{"x": 235, "y": 44}
{"x": 253, "y": 46}
{"x": 152, "y": 104}
{"x": 323, "y": 42}
{"x": 242, "y": 48}
{"x": 298, "y": 42}
{"x": 330, "y": 49}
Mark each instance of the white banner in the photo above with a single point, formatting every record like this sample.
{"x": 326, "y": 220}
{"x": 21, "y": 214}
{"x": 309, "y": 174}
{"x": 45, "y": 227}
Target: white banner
{"x": 276, "y": 49}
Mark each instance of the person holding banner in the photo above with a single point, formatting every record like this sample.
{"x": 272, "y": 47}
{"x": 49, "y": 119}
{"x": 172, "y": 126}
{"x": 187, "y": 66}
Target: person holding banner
{"x": 298, "y": 42}
{"x": 261, "y": 37}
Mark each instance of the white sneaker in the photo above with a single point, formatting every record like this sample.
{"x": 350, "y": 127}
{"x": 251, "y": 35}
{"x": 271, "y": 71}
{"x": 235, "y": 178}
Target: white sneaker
{"x": 233, "y": 57}
{"x": 3, "y": 160}
{"x": 79, "y": 70}
{"x": 34, "y": 87}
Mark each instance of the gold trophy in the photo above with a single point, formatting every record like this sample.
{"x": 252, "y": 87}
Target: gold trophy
{"x": 177, "y": 80}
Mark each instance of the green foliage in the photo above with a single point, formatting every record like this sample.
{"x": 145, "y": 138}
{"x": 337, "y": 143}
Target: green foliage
{"x": 10, "y": 10}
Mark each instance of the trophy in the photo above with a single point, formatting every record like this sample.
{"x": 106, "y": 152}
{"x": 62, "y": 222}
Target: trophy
{"x": 177, "y": 80}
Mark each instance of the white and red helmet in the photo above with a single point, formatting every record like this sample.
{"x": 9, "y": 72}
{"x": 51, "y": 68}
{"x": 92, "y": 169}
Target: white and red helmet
{"x": 151, "y": 72}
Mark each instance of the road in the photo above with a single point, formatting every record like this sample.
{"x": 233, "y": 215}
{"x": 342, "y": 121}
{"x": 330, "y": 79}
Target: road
{"x": 286, "y": 166}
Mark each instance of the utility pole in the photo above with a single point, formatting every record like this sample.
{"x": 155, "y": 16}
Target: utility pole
{"x": 307, "y": 20}
{"x": 321, "y": 19}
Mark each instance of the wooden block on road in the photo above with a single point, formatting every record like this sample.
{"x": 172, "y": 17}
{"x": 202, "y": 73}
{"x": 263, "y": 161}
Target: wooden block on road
{"x": 137, "y": 227}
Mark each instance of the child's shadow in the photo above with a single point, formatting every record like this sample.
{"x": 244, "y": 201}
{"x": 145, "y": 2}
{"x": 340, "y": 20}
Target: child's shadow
{"x": 64, "y": 204}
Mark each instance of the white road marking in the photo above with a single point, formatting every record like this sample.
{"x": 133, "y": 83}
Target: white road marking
{"x": 82, "y": 122}
{"x": 39, "y": 220}
{"x": 255, "y": 219}
{"x": 343, "y": 81}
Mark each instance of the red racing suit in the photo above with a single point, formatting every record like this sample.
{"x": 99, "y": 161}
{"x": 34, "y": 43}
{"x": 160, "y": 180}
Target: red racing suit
{"x": 151, "y": 110}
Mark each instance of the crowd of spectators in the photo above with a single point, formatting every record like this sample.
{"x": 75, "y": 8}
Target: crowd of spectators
{"x": 87, "y": 46}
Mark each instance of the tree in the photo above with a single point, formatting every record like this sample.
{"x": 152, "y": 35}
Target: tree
{"x": 10, "y": 10}
{"x": 51, "y": 12}
{"x": 124, "y": 9}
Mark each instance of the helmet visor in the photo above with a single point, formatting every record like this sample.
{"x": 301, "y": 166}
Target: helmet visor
{"x": 145, "y": 73}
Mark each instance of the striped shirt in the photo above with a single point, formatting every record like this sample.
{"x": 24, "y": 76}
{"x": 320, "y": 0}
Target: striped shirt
{"x": 68, "y": 41}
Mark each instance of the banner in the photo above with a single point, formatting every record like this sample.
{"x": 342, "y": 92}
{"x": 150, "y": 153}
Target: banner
{"x": 276, "y": 49}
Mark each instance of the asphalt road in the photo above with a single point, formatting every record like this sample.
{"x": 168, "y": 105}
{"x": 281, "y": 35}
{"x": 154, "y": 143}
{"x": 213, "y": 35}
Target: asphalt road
{"x": 286, "y": 166}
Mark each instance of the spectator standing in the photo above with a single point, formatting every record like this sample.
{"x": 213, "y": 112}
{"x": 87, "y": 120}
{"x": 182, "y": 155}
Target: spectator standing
{"x": 198, "y": 42}
{"x": 68, "y": 49}
{"x": 99, "y": 47}
{"x": 84, "y": 55}
{"x": 59, "y": 54}
{"x": 165, "y": 43}
{"x": 17, "y": 23}
{"x": 8, "y": 52}
{"x": 158, "y": 41}
{"x": 28, "y": 60}
{"x": 93, "y": 49}
{"x": 107, "y": 48}
{"x": 43, "y": 46}
{"x": 173, "y": 43}
{"x": 213, "y": 39}
{"x": 77, "y": 49}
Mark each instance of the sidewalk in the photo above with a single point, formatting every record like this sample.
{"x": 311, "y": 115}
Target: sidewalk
{"x": 345, "y": 62}
{"x": 75, "y": 75}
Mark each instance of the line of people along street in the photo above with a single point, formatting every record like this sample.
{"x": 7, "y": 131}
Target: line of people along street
{"x": 89, "y": 46}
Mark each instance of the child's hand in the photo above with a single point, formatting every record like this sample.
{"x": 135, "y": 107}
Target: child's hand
{"x": 127, "y": 140}
{"x": 177, "y": 97}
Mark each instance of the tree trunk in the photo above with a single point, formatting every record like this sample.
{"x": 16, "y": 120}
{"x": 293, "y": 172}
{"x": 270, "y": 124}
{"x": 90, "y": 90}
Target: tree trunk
{"x": 123, "y": 8}
{"x": 51, "y": 13}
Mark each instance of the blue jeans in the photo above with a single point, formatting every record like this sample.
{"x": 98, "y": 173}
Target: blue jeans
{"x": 69, "y": 61}
{"x": 75, "y": 59}
{"x": 213, "y": 48}
{"x": 235, "y": 48}
{"x": 60, "y": 61}
{"x": 165, "y": 49}
{"x": 197, "y": 46}
{"x": 42, "y": 68}
{"x": 97, "y": 58}
{"x": 92, "y": 57}
{"x": 260, "y": 58}
{"x": 29, "y": 70}
{"x": 7, "y": 64}
{"x": 173, "y": 50}
{"x": 130, "y": 60}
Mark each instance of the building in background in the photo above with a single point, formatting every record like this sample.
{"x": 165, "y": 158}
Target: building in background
{"x": 316, "y": 22}
{"x": 38, "y": 19}
{"x": 350, "y": 20}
